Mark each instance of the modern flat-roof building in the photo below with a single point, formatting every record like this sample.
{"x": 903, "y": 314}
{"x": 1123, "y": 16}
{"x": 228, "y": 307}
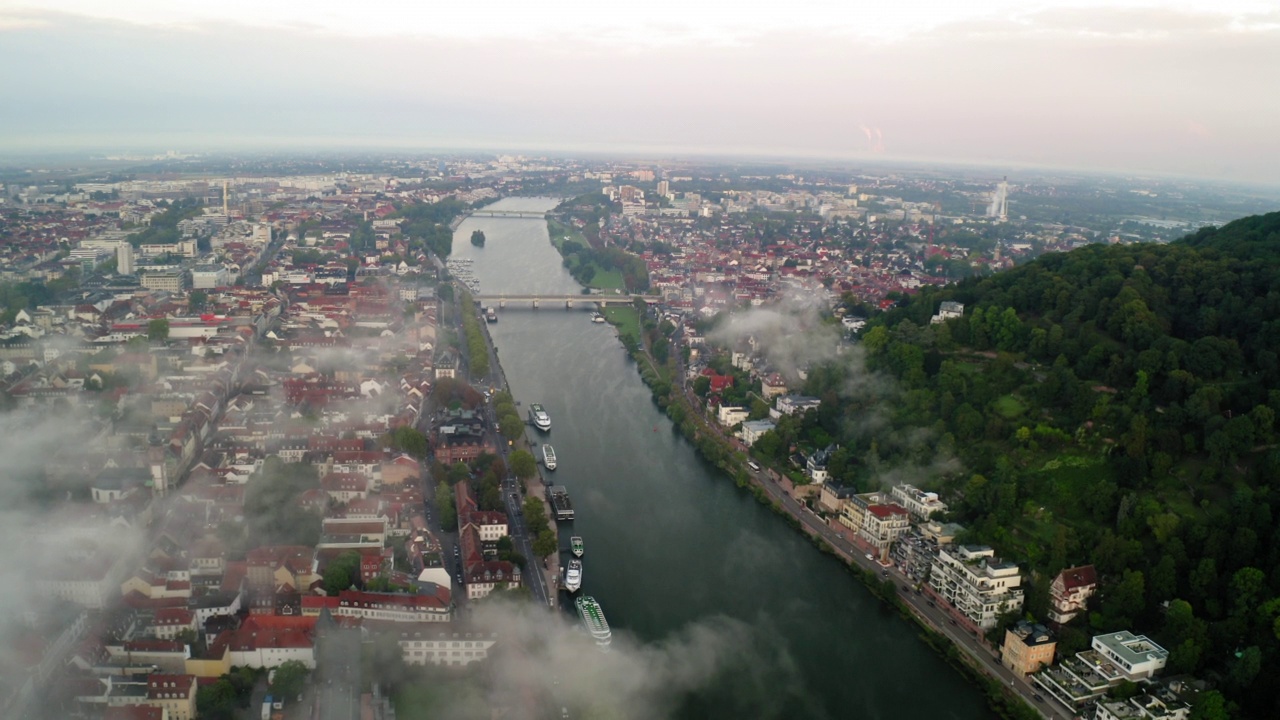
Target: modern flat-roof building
{"x": 918, "y": 502}
{"x": 1112, "y": 659}
{"x": 980, "y": 585}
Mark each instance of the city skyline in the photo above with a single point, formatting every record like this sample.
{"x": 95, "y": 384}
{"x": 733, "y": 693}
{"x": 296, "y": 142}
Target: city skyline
{"x": 1150, "y": 87}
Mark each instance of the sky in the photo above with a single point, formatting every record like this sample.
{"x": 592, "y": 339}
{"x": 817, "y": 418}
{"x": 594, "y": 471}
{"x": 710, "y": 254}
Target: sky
{"x": 1183, "y": 87}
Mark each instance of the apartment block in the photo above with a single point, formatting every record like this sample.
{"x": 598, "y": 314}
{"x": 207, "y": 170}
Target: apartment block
{"x": 980, "y": 585}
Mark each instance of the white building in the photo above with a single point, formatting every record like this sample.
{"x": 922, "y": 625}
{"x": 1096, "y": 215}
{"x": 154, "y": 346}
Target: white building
{"x": 949, "y": 310}
{"x": 173, "y": 281}
{"x": 444, "y": 645}
{"x": 977, "y": 583}
{"x": 1135, "y": 656}
{"x": 918, "y": 502}
{"x": 730, "y": 415}
{"x": 124, "y": 259}
{"x": 208, "y": 277}
{"x": 753, "y": 429}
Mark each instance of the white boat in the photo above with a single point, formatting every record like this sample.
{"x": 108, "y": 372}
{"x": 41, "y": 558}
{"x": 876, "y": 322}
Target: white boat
{"x": 549, "y": 457}
{"x": 575, "y": 544}
{"x": 597, "y": 318}
{"x": 573, "y": 576}
{"x": 593, "y": 618}
{"x": 539, "y": 416}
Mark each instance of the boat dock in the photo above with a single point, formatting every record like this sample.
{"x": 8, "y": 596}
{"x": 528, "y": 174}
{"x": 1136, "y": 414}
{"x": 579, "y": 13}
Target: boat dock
{"x": 561, "y": 506}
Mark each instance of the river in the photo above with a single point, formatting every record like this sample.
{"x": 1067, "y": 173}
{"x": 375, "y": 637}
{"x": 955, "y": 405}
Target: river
{"x": 671, "y": 542}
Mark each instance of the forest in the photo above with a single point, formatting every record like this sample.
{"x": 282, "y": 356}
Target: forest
{"x": 1114, "y": 405}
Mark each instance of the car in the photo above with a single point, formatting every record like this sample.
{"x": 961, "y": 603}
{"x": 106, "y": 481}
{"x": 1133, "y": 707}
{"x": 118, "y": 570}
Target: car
{"x": 1037, "y": 697}
{"x": 951, "y": 620}
{"x": 931, "y": 604}
{"x": 869, "y": 557}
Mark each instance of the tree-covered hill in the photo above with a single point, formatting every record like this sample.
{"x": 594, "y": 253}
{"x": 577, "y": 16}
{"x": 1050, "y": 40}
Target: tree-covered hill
{"x": 1113, "y": 405}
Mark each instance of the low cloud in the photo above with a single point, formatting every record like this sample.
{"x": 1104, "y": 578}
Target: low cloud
{"x": 551, "y": 659}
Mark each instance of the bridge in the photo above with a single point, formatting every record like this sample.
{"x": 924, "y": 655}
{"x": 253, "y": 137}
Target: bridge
{"x": 525, "y": 214}
{"x": 501, "y": 300}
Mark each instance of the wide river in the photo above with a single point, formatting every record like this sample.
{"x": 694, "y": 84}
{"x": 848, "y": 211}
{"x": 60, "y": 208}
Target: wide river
{"x": 673, "y": 545}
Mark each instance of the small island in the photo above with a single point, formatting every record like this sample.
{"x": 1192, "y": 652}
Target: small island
{"x": 477, "y": 238}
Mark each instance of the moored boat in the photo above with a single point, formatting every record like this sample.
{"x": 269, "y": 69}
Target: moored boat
{"x": 539, "y": 417}
{"x": 593, "y": 618}
{"x": 549, "y": 457}
{"x": 573, "y": 576}
{"x": 575, "y": 545}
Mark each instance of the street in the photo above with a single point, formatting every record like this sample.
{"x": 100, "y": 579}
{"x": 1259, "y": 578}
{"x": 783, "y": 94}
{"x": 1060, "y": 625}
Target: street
{"x": 931, "y": 613}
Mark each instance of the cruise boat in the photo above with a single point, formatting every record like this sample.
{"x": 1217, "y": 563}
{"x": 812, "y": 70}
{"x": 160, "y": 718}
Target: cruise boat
{"x": 573, "y": 576}
{"x": 491, "y": 315}
{"x": 539, "y": 417}
{"x": 549, "y": 457}
{"x": 575, "y": 544}
{"x": 593, "y": 618}
{"x": 597, "y": 318}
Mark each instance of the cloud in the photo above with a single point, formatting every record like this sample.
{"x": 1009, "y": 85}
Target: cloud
{"x": 49, "y": 457}
{"x": 1083, "y": 89}
{"x": 550, "y": 657}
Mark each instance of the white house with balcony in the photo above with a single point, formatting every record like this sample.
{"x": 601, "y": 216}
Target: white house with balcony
{"x": 977, "y": 583}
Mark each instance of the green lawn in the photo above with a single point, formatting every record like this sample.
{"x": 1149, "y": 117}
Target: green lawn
{"x": 606, "y": 280}
{"x": 626, "y": 319}
{"x": 603, "y": 279}
{"x": 457, "y": 696}
{"x": 1009, "y": 407}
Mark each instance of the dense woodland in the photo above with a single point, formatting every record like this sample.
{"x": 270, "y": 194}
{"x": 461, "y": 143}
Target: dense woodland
{"x": 1114, "y": 405}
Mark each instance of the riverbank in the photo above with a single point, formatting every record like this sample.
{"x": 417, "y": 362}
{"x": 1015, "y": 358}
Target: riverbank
{"x": 676, "y": 555}
{"x": 1009, "y": 697}
{"x": 494, "y": 380}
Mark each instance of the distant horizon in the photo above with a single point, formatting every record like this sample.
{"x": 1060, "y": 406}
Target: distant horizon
{"x": 1171, "y": 88}
{"x": 656, "y": 156}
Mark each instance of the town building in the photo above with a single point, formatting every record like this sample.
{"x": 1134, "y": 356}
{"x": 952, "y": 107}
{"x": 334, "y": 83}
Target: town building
{"x": 1112, "y": 659}
{"x": 1070, "y": 591}
{"x": 919, "y": 503}
{"x": 1027, "y": 648}
{"x": 977, "y": 583}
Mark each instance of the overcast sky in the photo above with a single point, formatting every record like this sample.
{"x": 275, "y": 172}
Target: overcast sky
{"x": 1173, "y": 86}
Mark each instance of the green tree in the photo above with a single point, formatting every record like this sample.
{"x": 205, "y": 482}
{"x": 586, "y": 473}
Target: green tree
{"x": 407, "y": 439}
{"x": 459, "y": 472}
{"x": 1209, "y": 705}
{"x": 342, "y": 572}
{"x": 197, "y": 300}
{"x": 288, "y": 679}
{"x": 217, "y": 701}
{"x": 545, "y": 543}
{"x": 523, "y": 464}
{"x": 444, "y": 506}
{"x": 511, "y": 426}
{"x": 158, "y": 329}
{"x": 535, "y": 516}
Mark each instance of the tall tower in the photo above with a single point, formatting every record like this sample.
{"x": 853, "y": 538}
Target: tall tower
{"x": 124, "y": 259}
{"x": 226, "y": 212}
{"x": 999, "y": 207}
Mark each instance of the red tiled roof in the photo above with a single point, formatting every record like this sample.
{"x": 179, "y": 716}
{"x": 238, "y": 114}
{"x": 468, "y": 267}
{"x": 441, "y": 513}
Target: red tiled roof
{"x": 1081, "y": 576}
{"x": 884, "y": 511}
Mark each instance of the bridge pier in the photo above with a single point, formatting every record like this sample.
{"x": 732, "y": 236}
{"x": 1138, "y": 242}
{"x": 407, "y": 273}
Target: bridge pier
{"x": 502, "y": 303}
{"x": 535, "y": 303}
{"x": 568, "y": 304}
